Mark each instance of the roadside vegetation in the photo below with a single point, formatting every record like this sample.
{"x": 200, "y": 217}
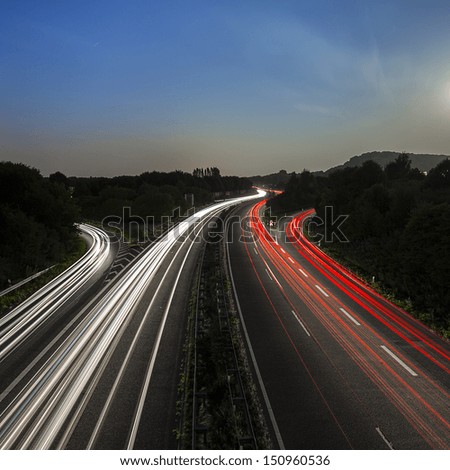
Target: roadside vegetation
{"x": 37, "y": 217}
{"x": 398, "y": 229}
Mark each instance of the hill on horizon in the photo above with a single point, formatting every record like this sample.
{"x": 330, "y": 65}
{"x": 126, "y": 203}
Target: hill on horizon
{"x": 422, "y": 161}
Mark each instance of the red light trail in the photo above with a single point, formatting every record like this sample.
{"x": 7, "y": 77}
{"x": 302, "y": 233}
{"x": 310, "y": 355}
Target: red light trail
{"x": 420, "y": 399}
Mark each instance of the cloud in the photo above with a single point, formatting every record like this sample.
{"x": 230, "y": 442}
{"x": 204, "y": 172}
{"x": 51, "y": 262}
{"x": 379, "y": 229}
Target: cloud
{"x": 352, "y": 75}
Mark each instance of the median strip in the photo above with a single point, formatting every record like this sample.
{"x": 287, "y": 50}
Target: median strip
{"x": 215, "y": 379}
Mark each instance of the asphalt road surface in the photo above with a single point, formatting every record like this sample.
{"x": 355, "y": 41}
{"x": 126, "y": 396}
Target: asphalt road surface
{"x": 109, "y": 377}
{"x": 340, "y": 367}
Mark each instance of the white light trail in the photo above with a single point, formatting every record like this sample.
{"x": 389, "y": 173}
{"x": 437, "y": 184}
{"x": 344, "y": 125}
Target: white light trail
{"x": 37, "y": 415}
{"x": 22, "y": 321}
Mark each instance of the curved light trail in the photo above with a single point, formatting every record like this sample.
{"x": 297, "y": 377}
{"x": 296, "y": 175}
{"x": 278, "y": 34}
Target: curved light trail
{"x": 405, "y": 382}
{"x": 396, "y": 319}
{"x": 17, "y": 325}
{"x": 38, "y": 415}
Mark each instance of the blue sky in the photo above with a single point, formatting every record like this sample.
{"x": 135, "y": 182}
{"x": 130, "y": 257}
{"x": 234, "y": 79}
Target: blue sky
{"x": 111, "y": 87}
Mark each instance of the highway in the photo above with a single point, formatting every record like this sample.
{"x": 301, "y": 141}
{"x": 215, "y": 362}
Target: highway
{"x": 339, "y": 366}
{"x": 110, "y": 380}
{"x": 24, "y": 320}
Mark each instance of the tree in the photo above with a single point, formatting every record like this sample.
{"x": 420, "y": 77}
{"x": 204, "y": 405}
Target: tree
{"x": 425, "y": 255}
{"x": 59, "y": 178}
{"x": 439, "y": 176}
{"x": 37, "y": 217}
{"x": 399, "y": 168}
{"x": 368, "y": 174}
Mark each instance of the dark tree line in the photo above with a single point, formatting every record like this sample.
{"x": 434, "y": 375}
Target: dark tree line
{"x": 37, "y": 214}
{"x": 398, "y": 226}
{"x": 273, "y": 181}
{"x": 152, "y": 193}
{"x": 37, "y": 218}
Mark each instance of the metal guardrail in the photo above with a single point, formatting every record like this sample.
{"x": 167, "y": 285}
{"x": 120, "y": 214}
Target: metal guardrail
{"x": 25, "y": 281}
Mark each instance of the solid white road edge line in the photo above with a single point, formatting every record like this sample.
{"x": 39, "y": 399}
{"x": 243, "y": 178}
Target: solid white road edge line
{"x": 384, "y": 438}
{"x": 301, "y": 323}
{"x": 253, "y": 358}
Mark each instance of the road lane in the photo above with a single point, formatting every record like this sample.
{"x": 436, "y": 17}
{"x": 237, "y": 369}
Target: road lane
{"x": 375, "y": 388}
{"x": 48, "y": 409}
{"x": 26, "y": 356}
{"x": 302, "y": 404}
{"x": 429, "y": 413}
{"x": 17, "y": 325}
{"x": 134, "y": 364}
{"x": 416, "y": 338}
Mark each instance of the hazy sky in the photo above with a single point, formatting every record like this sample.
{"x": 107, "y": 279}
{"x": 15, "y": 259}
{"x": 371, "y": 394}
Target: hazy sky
{"x": 107, "y": 87}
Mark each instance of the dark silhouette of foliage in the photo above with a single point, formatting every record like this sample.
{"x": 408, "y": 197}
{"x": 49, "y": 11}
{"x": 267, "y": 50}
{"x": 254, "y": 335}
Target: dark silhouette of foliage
{"x": 37, "y": 214}
{"x": 399, "y": 168}
{"x": 153, "y": 193}
{"x": 439, "y": 176}
{"x": 398, "y": 225}
{"x": 37, "y": 217}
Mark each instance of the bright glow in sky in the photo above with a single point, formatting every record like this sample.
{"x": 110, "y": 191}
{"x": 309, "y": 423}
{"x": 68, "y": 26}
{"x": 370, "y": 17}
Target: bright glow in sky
{"x": 107, "y": 87}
